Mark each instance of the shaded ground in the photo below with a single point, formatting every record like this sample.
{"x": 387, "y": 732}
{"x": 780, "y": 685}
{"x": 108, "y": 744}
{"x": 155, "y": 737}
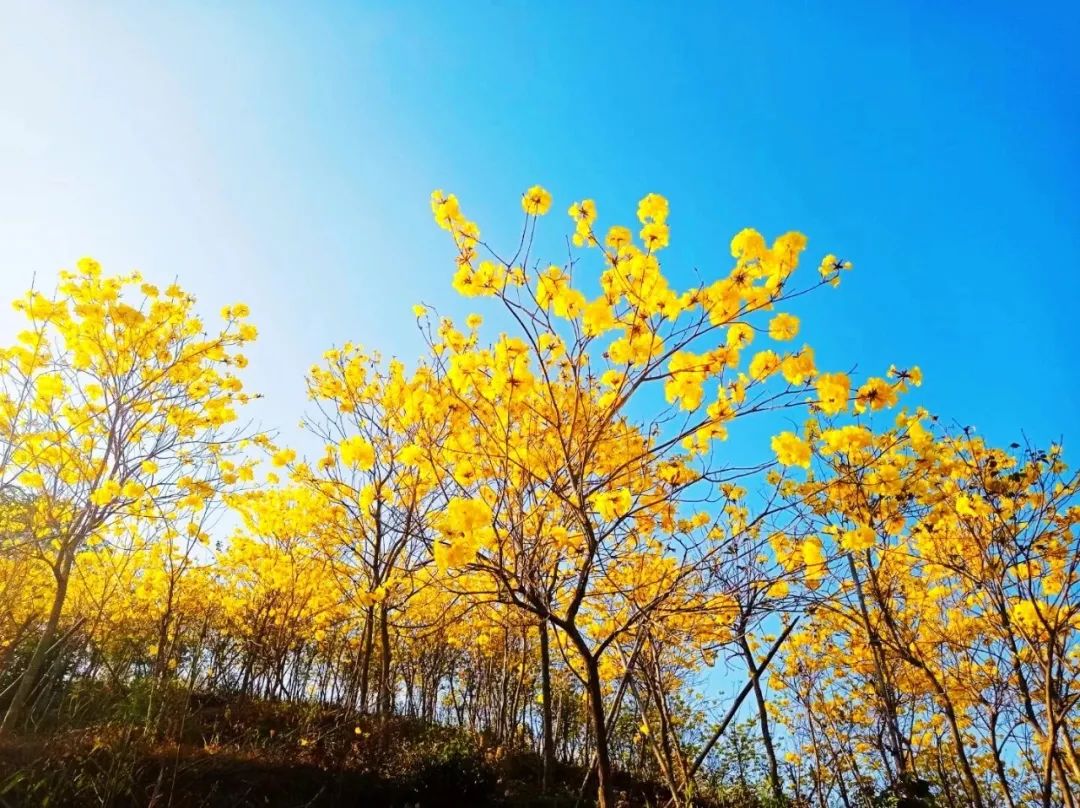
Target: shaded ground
{"x": 275, "y": 755}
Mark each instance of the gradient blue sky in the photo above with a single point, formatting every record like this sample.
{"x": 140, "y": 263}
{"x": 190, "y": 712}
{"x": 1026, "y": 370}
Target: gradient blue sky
{"x": 282, "y": 154}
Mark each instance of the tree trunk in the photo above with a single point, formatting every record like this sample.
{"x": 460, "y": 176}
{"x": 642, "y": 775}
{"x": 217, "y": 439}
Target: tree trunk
{"x": 757, "y": 672}
{"x": 385, "y": 690}
{"x": 888, "y": 700}
{"x": 365, "y": 662}
{"x": 29, "y": 677}
{"x": 999, "y": 764}
{"x": 604, "y": 793}
{"x": 545, "y": 690}
{"x": 763, "y": 718}
{"x": 961, "y": 753}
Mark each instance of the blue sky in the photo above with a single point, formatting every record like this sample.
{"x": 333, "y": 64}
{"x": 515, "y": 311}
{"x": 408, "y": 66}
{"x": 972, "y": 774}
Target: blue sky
{"x": 282, "y": 154}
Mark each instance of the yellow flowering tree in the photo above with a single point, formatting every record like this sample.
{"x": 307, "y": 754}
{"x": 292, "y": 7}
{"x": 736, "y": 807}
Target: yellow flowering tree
{"x": 115, "y": 405}
{"x": 582, "y": 442}
{"x": 373, "y": 477}
{"x": 953, "y": 575}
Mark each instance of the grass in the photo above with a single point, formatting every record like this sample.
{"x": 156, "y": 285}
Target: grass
{"x": 266, "y": 754}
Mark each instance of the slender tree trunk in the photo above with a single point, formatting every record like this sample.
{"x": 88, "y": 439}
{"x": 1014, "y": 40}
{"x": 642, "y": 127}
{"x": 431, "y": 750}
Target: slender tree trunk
{"x": 247, "y": 681}
{"x": 763, "y": 718}
{"x": 385, "y": 689}
{"x": 888, "y": 701}
{"x": 604, "y": 792}
{"x": 1070, "y": 750}
{"x": 943, "y": 779}
{"x": 961, "y": 752}
{"x": 669, "y": 742}
{"x": 1026, "y": 698}
{"x": 29, "y": 677}
{"x": 757, "y": 672}
{"x": 365, "y": 662}
{"x": 545, "y": 691}
{"x": 661, "y": 751}
{"x": 999, "y": 764}
{"x": 1053, "y": 724}
{"x": 819, "y": 790}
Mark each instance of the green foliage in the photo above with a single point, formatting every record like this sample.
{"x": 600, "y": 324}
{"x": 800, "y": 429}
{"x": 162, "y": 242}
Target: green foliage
{"x": 737, "y": 773}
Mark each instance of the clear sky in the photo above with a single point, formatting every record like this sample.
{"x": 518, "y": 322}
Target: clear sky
{"x": 282, "y": 155}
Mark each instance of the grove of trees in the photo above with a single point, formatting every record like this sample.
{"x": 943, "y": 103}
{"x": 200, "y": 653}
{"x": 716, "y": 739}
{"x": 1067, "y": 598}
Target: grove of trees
{"x": 537, "y": 531}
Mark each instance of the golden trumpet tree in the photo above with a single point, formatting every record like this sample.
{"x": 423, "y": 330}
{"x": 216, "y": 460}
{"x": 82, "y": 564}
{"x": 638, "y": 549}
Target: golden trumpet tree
{"x": 372, "y": 476}
{"x": 954, "y": 575}
{"x": 115, "y": 405}
{"x": 277, "y": 599}
{"x": 581, "y": 458}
